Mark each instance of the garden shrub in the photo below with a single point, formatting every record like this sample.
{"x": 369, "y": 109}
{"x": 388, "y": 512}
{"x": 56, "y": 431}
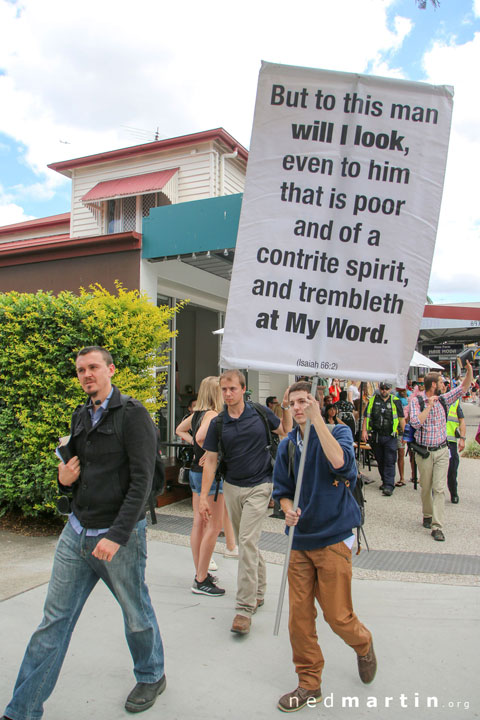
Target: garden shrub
{"x": 40, "y": 335}
{"x": 472, "y": 450}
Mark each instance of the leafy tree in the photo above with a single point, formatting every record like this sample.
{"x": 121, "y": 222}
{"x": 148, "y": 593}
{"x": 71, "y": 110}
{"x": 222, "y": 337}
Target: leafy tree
{"x": 40, "y": 335}
{"x": 422, "y": 4}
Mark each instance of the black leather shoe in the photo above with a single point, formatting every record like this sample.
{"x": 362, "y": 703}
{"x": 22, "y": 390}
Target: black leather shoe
{"x": 427, "y": 523}
{"x": 454, "y": 499}
{"x": 143, "y": 695}
{"x": 387, "y": 491}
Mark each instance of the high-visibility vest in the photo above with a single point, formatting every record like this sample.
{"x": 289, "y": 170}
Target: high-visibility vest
{"x": 394, "y": 413}
{"x": 452, "y": 422}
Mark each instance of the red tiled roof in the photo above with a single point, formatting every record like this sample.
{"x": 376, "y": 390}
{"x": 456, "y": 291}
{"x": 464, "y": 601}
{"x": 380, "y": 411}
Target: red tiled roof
{"x": 59, "y": 247}
{"x": 219, "y": 134}
{"x": 135, "y": 185}
{"x": 36, "y": 223}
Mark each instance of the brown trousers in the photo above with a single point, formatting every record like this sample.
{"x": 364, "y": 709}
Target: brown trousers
{"x": 324, "y": 574}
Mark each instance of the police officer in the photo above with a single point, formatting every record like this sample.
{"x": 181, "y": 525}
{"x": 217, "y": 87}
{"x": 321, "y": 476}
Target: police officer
{"x": 456, "y": 430}
{"x": 383, "y": 422}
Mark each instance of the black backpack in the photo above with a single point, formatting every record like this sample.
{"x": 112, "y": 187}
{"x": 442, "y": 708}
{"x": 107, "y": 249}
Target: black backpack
{"x": 272, "y": 446}
{"x": 158, "y": 482}
{"x": 421, "y": 405}
{"x": 357, "y": 492}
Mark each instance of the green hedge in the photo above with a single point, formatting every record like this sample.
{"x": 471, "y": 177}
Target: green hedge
{"x": 40, "y": 335}
{"x": 472, "y": 450}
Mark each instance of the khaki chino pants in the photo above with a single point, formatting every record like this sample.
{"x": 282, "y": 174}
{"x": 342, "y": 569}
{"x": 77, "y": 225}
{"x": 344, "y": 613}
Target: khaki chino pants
{"x": 247, "y": 508}
{"x": 433, "y": 474}
{"x": 324, "y": 574}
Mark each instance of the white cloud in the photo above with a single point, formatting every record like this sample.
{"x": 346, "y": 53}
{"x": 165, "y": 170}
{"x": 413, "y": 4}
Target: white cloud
{"x": 181, "y": 67}
{"x": 10, "y": 212}
{"x": 36, "y": 191}
{"x": 455, "y": 262}
{"x": 79, "y": 73}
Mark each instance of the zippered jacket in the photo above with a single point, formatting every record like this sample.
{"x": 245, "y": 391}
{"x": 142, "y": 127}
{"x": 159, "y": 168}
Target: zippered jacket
{"x": 328, "y": 509}
{"x": 115, "y": 472}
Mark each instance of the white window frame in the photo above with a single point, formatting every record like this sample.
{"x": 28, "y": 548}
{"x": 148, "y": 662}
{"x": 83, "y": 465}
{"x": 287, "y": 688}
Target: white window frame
{"x": 118, "y": 217}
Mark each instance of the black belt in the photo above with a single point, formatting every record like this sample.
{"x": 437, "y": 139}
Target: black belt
{"x": 432, "y": 448}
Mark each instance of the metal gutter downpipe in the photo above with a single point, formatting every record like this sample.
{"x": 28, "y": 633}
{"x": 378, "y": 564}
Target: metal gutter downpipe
{"x": 225, "y": 156}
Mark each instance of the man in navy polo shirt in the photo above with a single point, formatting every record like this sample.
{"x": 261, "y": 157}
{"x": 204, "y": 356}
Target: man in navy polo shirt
{"x": 247, "y": 488}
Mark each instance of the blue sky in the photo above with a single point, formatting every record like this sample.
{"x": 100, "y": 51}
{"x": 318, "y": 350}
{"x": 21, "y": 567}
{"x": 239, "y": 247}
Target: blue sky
{"x": 81, "y": 78}
{"x": 453, "y": 19}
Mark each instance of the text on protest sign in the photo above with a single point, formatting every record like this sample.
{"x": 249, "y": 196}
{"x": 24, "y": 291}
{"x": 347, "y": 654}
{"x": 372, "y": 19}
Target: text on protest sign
{"x": 338, "y": 223}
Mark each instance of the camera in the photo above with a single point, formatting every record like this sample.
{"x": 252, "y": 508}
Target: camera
{"x": 63, "y": 505}
{"x": 465, "y": 355}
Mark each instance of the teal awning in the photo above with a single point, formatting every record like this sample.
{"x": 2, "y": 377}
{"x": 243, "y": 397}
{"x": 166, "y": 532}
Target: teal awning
{"x": 191, "y": 227}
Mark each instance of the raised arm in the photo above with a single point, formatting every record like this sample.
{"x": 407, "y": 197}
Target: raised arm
{"x": 468, "y": 379}
{"x": 182, "y": 430}
{"x": 331, "y": 447}
{"x": 286, "y": 423}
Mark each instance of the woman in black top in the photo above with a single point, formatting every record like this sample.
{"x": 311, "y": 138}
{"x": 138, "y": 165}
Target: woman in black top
{"x": 203, "y": 537}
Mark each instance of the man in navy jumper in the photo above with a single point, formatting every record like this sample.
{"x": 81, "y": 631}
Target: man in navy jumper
{"x": 321, "y": 559}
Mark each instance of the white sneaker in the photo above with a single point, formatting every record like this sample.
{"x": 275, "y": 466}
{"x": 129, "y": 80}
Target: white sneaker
{"x": 231, "y": 553}
{"x": 213, "y": 565}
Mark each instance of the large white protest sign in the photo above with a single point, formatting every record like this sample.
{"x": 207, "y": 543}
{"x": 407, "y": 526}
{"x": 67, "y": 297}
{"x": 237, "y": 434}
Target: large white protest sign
{"x": 338, "y": 223}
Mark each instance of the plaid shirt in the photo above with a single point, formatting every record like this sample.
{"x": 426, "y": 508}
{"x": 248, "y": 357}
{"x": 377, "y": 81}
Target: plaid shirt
{"x": 434, "y": 429}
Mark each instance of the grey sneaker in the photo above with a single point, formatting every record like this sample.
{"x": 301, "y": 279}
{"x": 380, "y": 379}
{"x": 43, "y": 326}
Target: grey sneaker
{"x": 297, "y": 699}
{"x": 207, "y": 587}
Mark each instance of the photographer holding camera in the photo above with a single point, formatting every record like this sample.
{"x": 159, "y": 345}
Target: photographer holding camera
{"x": 427, "y": 417}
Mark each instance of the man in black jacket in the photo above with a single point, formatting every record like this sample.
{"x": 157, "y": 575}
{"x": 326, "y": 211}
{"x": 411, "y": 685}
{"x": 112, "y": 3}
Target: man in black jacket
{"x": 110, "y": 478}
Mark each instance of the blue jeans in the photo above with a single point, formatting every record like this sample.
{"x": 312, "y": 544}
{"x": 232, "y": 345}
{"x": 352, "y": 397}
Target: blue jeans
{"x": 195, "y": 479}
{"x": 74, "y": 575}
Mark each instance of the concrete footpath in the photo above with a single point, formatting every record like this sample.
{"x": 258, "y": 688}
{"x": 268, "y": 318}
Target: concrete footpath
{"x": 426, "y": 640}
{"x": 426, "y": 628}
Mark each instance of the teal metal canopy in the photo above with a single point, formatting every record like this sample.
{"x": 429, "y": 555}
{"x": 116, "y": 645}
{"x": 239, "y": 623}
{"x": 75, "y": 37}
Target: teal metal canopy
{"x": 191, "y": 227}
